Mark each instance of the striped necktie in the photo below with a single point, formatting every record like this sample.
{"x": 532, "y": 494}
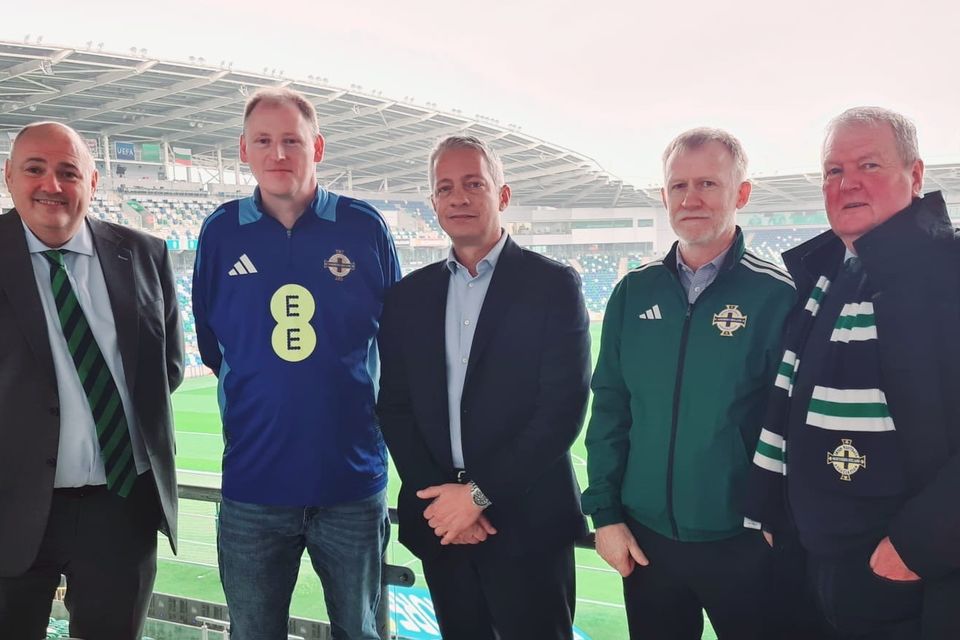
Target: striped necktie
{"x": 99, "y": 386}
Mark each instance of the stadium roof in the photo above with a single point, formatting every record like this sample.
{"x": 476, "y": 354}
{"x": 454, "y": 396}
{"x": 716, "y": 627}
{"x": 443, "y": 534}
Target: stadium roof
{"x": 374, "y": 143}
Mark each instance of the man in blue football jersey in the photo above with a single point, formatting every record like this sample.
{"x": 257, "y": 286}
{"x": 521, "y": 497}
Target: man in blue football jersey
{"x": 287, "y": 292}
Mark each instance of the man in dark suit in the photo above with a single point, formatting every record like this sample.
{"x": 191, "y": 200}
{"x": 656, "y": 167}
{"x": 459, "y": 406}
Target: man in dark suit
{"x": 90, "y": 349}
{"x": 485, "y": 374}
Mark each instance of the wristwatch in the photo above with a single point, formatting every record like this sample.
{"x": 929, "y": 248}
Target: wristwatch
{"x": 479, "y": 499}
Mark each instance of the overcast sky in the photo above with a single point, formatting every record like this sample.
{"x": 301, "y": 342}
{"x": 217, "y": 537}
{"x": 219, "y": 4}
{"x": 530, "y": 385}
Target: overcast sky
{"x": 612, "y": 79}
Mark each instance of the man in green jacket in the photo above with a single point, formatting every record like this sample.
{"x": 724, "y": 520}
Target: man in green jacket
{"x": 688, "y": 356}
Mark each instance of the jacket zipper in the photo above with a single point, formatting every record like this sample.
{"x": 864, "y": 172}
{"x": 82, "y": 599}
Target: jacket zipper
{"x": 676, "y": 416}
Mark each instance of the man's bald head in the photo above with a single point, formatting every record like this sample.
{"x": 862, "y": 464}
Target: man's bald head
{"x": 50, "y": 128}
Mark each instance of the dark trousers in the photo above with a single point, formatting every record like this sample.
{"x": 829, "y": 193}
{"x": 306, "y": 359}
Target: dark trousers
{"x": 729, "y": 578}
{"x": 860, "y": 605}
{"x": 106, "y": 546}
{"x": 508, "y": 598}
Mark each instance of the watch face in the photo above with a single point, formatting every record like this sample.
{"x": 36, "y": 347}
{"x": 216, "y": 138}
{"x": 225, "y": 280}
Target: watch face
{"x": 478, "y": 498}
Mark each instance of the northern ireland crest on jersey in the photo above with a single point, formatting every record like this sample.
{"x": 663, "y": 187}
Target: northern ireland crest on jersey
{"x": 730, "y": 320}
{"x": 339, "y": 265}
{"x": 846, "y": 459}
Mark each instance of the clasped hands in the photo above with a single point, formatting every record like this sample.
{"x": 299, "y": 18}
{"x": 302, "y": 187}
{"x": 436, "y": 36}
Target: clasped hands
{"x": 453, "y": 516}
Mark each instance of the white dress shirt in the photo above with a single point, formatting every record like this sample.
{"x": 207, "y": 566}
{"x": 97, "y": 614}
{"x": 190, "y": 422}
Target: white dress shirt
{"x": 78, "y": 456}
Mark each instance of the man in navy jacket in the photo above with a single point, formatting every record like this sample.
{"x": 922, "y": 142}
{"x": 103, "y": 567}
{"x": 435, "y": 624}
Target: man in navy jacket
{"x": 483, "y": 390}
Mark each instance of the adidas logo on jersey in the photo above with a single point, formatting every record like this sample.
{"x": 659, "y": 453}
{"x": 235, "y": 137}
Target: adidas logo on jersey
{"x": 653, "y": 313}
{"x": 242, "y": 267}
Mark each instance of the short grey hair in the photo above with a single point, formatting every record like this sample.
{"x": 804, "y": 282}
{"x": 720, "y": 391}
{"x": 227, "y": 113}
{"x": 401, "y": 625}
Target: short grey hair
{"x": 494, "y": 164}
{"x": 696, "y": 138}
{"x": 904, "y": 131}
{"x": 282, "y": 95}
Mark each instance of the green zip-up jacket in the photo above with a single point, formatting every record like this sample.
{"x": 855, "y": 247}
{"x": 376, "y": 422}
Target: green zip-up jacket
{"x": 679, "y": 393}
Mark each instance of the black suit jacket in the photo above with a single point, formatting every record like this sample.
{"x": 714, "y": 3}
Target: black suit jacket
{"x": 522, "y": 407}
{"x": 142, "y": 294}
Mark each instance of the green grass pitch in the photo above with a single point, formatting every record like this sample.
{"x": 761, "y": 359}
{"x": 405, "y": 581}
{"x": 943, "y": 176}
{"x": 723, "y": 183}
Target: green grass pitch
{"x": 193, "y": 573}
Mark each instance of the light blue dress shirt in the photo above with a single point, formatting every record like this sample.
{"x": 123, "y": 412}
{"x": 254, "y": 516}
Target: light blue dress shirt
{"x": 696, "y": 282}
{"x": 78, "y": 455}
{"x": 465, "y": 294}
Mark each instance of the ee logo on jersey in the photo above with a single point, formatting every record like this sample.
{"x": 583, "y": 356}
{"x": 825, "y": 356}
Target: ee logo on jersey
{"x": 292, "y": 306}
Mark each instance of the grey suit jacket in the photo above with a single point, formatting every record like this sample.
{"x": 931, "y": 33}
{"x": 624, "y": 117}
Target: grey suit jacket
{"x": 143, "y": 298}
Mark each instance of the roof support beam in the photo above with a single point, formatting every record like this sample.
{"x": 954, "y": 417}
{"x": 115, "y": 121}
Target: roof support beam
{"x": 146, "y": 96}
{"x": 43, "y": 65}
{"x": 186, "y": 112}
{"x": 544, "y": 173}
{"x": 410, "y": 139}
{"x": 227, "y": 125}
{"x": 82, "y": 85}
{"x": 402, "y": 122}
{"x": 616, "y": 198}
{"x": 566, "y": 185}
{"x": 583, "y": 193}
{"x": 351, "y": 115}
{"x": 176, "y": 114}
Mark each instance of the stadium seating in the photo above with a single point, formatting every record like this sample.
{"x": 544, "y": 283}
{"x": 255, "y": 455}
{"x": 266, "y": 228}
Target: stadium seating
{"x": 191, "y": 350}
{"x": 599, "y": 275}
{"x": 769, "y": 244}
{"x": 104, "y": 209}
{"x": 785, "y": 219}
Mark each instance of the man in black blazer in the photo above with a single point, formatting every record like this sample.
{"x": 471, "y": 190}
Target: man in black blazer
{"x": 86, "y": 436}
{"x": 485, "y": 375}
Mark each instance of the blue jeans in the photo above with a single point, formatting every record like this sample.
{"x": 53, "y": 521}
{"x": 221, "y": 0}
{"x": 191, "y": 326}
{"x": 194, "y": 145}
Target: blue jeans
{"x": 260, "y": 547}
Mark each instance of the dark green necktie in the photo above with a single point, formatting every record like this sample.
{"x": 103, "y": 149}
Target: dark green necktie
{"x": 116, "y": 449}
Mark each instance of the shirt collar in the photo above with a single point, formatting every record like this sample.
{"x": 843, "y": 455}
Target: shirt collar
{"x": 716, "y": 262}
{"x": 323, "y": 206}
{"x": 488, "y": 262}
{"x": 81, "y": 242}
